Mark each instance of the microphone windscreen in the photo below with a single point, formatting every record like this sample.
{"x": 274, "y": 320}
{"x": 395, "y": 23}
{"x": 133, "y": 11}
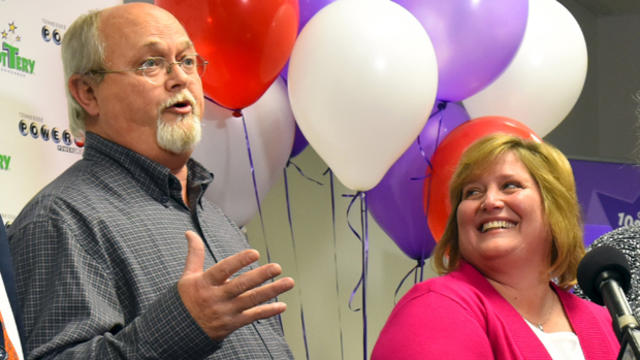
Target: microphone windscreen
{"x": 595, "y": 262}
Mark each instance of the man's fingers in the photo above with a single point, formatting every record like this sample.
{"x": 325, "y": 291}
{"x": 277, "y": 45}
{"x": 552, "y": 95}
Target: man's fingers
{"x": 257, "y": 313}
{"x": 223, "y": 270}
{"x": 259, "y": 295}
{"x": 195, "y": 254}
{"x": 263, "y": 311}
{"x": 251, "y": 279}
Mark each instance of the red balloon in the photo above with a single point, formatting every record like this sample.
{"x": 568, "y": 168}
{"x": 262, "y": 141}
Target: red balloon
{"x": 246, "y": 42}
{"x": 445, "y": 159}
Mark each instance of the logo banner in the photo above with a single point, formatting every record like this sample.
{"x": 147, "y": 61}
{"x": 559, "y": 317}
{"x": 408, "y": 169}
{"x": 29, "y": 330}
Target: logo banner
{"x": 35, "y": 142}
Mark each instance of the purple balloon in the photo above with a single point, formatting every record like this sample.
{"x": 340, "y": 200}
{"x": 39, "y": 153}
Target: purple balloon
{"x": 396, "y": 202}
{"x": 299, "y": 143}
{"x": 474, "y": 40}
{"x": 308, "y": 8}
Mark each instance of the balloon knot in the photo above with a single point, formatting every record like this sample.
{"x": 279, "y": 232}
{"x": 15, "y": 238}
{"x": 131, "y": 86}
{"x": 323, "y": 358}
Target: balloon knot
{"x": 237, "y": 113}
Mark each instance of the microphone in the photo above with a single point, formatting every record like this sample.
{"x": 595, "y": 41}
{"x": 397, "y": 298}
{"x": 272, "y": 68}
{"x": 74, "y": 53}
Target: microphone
{"x": 604, "y": 276}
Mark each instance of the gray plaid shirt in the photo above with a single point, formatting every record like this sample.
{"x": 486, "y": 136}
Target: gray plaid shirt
{"x": 98, "y": 253}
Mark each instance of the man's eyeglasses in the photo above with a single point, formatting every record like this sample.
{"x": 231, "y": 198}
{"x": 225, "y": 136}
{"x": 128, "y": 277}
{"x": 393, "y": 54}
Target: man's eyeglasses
{"x": 153, "y": 68}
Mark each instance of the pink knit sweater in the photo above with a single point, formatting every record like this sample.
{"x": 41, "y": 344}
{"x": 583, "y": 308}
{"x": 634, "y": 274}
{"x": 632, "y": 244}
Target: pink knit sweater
{"x": 461, "y": 316}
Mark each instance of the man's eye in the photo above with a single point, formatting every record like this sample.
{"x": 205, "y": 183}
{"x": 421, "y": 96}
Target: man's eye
{"x": 189, "y": 61}
{"x": 151, "y": 63}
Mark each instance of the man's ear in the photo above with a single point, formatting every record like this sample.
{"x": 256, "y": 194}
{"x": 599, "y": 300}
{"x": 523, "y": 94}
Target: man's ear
{"x": 83, "y": 91}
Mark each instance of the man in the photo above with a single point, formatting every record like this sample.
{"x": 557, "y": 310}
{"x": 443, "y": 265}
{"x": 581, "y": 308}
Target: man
{"x": 10, "y": 315}
{"x": 99, "y": 254}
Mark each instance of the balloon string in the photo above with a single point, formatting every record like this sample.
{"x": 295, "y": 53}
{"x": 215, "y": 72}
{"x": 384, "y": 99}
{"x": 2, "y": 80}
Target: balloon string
{"x": 255, "y": 185}
{"x": 427, "y": 158}
{"x": 335, "y": 258}
{"x": 414, "y": 178}
{"x": 295, "y": 257}
{"x": 422, "y": 152}
{"x": 414, "y": 271}
{"x": 365, "y": 267}
{"x": 441, "y": 106}
{"x": 255, "y": 189}
{"x": 353, "y": 230}
{"x": 353, "y": 294}
{"x": 364, "y": 239}
{"x": 290, "y": 162}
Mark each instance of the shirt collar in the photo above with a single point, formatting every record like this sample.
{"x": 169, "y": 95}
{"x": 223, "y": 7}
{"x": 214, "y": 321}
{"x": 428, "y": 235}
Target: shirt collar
{"x": 155, "y": 179}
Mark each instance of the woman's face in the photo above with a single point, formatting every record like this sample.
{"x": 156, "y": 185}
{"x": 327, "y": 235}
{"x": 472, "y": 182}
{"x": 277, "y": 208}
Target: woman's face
{"x": 501, "y": 216}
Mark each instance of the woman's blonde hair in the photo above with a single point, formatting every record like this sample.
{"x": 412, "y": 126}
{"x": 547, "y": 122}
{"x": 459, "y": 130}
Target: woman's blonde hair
{"x": 552, "y": 172}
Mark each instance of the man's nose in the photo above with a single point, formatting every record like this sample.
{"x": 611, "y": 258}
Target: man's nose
{"x": 176, "y": 76}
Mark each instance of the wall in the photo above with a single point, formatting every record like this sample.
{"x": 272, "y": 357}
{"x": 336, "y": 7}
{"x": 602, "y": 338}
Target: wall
{"x": 578, "y": 135}
{"x": 619, "y": 85}
{"x": 602, "y": 125}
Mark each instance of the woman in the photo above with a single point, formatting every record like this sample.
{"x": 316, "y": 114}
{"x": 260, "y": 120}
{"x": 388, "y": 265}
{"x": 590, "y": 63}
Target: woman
{"x": 510, "y": 253}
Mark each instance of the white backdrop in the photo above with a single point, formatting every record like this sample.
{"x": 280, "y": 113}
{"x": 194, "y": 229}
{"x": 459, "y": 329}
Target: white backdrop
{"x": 35, "y": 144}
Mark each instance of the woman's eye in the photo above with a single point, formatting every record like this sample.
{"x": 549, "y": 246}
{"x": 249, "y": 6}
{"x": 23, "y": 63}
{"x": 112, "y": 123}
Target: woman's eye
{"x": 470, "y": 193}
{"x": 512, "y": 185}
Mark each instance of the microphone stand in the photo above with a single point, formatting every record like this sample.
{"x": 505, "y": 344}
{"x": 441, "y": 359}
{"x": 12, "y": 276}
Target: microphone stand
{"x": 624, "y": 323}
{"x": 630, "y": 346}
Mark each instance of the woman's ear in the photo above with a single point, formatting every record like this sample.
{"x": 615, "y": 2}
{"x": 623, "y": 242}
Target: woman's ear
{"x": 83, "y": 91}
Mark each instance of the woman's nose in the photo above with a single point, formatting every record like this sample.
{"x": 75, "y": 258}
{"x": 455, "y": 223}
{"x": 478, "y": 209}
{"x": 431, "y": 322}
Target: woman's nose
{"x": 492, "y": 200}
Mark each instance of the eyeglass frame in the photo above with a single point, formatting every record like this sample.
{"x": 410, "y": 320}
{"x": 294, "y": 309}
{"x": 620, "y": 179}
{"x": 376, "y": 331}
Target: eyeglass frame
{"x": 168, "y": 67}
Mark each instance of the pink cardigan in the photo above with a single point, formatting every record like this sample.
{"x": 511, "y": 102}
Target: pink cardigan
{"x": 461, "y": 316}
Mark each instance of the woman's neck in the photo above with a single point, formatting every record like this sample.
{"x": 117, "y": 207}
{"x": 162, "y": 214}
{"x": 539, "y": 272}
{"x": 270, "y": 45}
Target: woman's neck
{"x": 537, "y": 302}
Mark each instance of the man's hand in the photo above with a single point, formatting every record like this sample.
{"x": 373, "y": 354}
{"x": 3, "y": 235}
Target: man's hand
{"x": 221, "y": 305}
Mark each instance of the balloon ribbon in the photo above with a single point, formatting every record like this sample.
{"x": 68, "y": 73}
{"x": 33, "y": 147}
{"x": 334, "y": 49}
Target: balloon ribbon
{"x": 295, "y": 252}
{"x": 255, "y": 188}
{"x": 364, "y": 239}
{"x": 335, "y": 257}
{"x": 414, "y": 270}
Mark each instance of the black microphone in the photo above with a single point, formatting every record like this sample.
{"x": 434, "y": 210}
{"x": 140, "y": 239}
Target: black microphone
{"x": 604, "y": 276}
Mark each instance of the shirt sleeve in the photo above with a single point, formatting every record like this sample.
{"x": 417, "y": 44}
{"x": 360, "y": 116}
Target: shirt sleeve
{"x": 72, "y": 308}
{"x": 432, "y": 326}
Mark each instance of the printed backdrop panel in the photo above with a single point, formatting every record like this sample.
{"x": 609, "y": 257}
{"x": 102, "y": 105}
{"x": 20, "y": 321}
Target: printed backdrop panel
{"x": 608, "y": 192}
{"x": 35, "y": 143}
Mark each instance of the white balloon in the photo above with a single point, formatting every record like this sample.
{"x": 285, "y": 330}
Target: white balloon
{"x": 544, "y": 80}
{"x": 223, "y": 151}
{"x": 362, "y": 82}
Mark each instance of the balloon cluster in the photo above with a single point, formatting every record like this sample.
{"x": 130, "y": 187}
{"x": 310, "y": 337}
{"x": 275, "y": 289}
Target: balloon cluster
{"x": 362, "y": 78}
